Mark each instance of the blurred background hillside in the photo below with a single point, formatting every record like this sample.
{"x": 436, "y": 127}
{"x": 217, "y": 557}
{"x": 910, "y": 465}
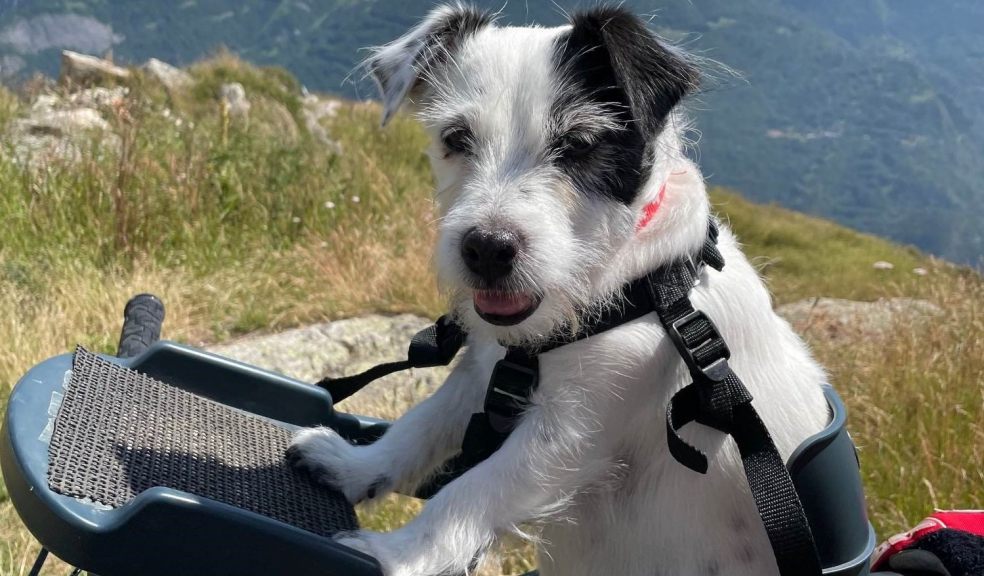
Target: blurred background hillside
{"x": 864, "y": 111}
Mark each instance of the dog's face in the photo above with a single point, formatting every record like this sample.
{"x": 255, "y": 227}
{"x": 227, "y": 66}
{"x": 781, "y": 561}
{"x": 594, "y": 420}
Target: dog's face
{"x": 543, "y": 142}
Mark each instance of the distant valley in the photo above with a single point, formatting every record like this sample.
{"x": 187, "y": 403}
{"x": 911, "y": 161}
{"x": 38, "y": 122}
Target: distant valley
{"x": 864, "y": 111}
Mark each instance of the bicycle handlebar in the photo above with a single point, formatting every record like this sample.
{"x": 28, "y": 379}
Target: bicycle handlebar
{"x": 142, "y": 320}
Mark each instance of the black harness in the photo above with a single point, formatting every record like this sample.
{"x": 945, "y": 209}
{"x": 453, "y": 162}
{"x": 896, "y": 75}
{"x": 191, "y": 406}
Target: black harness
{"x": 716, "y": 397}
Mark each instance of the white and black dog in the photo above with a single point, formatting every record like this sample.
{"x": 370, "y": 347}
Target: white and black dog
{"x": 561, "y": 175}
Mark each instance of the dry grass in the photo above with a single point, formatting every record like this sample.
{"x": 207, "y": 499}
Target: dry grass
{"x": 917, "y": 408}
{"x": 8, "y": 105}
{"x": 234, "y": 230}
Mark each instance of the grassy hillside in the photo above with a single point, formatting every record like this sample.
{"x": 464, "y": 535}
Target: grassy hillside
{"x": 240, "y": 228}
{"x": 861, "y": 111}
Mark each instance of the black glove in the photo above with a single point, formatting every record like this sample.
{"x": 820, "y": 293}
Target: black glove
{"x": 945, "y": 552}
{"x": 917, "y": 563}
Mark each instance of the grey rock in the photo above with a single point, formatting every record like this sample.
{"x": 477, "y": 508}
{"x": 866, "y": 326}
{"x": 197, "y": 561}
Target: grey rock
{"x": 171, "y": 77}
{"x": 234, "y": 100}
{"x": 314, "y": 111}
{"x": 82, "y": 69}
{"x": 832, "y": 319}
{"x": 65, "y": 128}
{"x": 98, "y": 98}
{"x": 343, "y": 348}
{"x": 66, "y": 135}
{"x": 45, "y": 103}
{"x": 63, "y": 122}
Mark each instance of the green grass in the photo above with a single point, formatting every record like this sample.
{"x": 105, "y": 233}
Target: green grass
{"x": 8, "y": 106}
{"x": 804, "y": 257}
{"x": 240, "y": 228}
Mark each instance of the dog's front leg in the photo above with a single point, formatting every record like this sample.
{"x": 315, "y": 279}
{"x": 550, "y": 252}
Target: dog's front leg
{"x": 426, "y": 436}
{"x": 538, "y": 467}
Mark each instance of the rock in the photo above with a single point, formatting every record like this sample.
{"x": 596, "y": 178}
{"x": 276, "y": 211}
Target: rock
{"x": 63, "y": 122}
{"x": 882, "y": 265}
{"x": 98, "y": 97}
{"x": 84, "y": 70}
{"x": 65, "y": 129}
{"x": 49, "y": 134}
{"x": 314, "y": 110}
{"x": 832, "y": 319}
{"x": 343, "y": 348}
{"x": 920, "y": 271}
{"x": 44, "y": 103}
{"x": 234, "y": 100}
{"x": 171, "y": 77}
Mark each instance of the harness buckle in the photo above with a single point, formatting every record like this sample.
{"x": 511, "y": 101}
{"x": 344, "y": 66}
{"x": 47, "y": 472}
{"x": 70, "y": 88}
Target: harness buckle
{"x": 707, "y": 340}
{"x": 509, "y": 392}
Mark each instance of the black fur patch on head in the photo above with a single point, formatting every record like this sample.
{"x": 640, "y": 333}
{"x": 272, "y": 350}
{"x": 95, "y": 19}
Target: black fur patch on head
{"x": 615, "y": 68}
{"x": 652, "y": 76}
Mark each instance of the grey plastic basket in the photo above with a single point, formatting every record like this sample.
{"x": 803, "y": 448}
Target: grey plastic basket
{"x": 172, "y": 463}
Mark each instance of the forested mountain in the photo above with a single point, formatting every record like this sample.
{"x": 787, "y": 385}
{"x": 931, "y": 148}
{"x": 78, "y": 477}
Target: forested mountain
{"x": 870, "y": 112}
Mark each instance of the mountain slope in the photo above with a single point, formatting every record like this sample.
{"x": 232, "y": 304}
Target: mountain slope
{"x": 863, "y": 111}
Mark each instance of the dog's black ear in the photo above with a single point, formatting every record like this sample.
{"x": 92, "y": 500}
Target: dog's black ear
{"x": 622, "y": 61}
{"x": 401, "y": 66}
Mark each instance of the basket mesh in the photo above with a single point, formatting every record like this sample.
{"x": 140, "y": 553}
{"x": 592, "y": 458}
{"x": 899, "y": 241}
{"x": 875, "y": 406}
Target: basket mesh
{"x": 119, "y": 432}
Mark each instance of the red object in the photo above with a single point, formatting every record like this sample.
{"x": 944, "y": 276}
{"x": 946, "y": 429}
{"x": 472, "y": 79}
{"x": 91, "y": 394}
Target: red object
{"x": 971, "y": 521}
{"x": 649, "y": 210}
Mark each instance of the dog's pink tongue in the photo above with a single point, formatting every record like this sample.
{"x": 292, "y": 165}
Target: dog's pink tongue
{"x": 501, "y": 303}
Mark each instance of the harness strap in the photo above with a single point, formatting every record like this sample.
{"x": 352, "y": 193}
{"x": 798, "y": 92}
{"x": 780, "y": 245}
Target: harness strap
{"x": 513, "y": 381}
{"x": 436, "y": 345}
{"x": 718, "y": 398}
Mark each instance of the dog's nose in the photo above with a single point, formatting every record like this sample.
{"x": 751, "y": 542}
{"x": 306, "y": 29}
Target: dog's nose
{"x": 490, "y": 254}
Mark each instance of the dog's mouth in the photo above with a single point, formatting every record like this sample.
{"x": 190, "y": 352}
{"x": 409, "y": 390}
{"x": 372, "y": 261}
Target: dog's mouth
{"x": 504, "y": 308}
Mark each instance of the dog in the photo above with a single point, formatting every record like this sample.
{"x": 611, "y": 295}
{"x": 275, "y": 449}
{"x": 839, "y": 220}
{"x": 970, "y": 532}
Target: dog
{"x": 561, "y": 174}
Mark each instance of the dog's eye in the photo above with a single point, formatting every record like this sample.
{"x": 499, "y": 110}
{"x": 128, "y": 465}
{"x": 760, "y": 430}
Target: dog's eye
{"x": 576, "y": 145}
{"x": 457, "y": 140}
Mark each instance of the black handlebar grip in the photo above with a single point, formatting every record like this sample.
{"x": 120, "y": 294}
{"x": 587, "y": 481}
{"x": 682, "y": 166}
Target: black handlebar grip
{"x": 142, "y": 320}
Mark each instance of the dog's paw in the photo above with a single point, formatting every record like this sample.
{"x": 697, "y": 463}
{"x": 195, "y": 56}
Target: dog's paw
{"x": 400, "y": 553}
{"x": 368, "y": 544}
{"x": 332, "y": 461}
{"x": 360, "y": 540}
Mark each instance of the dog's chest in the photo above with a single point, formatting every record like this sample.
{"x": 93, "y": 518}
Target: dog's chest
{"x": 655, "y": 516}
{"x": 646, "y": 512}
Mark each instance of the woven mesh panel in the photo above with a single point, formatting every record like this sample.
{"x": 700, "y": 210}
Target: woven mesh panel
{"x": 119, "y": 432}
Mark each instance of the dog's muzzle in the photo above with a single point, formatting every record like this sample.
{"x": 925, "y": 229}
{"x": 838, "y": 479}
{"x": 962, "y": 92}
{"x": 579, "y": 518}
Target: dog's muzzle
{"x": 491, "y": 256}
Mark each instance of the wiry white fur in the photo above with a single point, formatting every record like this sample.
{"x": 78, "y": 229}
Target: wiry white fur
{"x": 395, "y": 62}
{"x": 588, "y": 460}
